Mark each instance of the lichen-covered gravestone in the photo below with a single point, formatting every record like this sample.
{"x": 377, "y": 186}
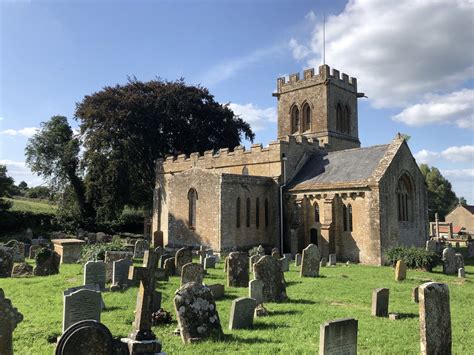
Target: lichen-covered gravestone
{"x": 241, "y": 313}
{"x": 47, "y": 262}
{"x": 285, "y": 264}
{"x": 81, "y": 305}
{"x": 94, "y": 273}
{"x": 310, "y": 261}
{"x": 449, "y": 261}
{"x": 459, "y": 261}
{"x": 9, "y": 319}
{"x": 238, "y": 270}
{"x": 86, "y": 337}
{"x": 196, "y": 312}
{"x": 120, "y": 269}
{"x": 183, "y": 256}
{"x": 252, "y": 260}
{"x": 435, "y": 319}
{"x": 268, "y": 270}
{"x": 6, "y": 262}
{"x": 22, "y": 269}
{"x": 192, "y": 272}
{"x": 114, "y": 255}
{"x": 140, "y": 247}
{"x": 380, "y": 297}
{"x": 338, "y": 337}
{"x": 400, "y": 271}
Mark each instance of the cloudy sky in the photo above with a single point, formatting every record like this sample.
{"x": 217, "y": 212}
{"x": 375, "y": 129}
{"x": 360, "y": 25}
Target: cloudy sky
{"x": 413, "y": 59}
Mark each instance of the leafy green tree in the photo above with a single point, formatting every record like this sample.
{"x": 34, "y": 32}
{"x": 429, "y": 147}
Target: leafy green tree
{"x": 126, "y": 128}
{"x": 53, "y": 153}
{"x": 6, "y": 183}
{"x": 42, "y": 192}
{"x": 462, "y": 201}
{"x": 441, "y": 197}
{"x": 23, "y": 185}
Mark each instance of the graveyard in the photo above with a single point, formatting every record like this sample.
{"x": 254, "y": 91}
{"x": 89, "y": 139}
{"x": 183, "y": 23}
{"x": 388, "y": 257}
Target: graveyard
{"x": 293, "y": 325}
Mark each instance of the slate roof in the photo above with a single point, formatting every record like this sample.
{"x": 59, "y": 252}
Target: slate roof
{"x": 344, "y": 166}
{"x": 470, "y": 208}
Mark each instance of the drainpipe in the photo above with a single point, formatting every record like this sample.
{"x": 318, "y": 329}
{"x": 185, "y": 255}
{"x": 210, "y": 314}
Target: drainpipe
{"x": 282, "y": 186}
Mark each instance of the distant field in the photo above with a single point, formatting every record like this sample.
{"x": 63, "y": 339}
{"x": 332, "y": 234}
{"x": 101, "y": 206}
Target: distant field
{"x": 31, "y": 205}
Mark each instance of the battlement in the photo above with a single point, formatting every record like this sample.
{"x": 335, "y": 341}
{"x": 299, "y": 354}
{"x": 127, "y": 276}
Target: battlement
{"x": 310, "y": 79}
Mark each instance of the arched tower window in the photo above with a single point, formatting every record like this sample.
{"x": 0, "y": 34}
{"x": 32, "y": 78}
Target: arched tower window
{"x": 316, "y": 212}
{"x": 237, "y": 211}
{"x": 344, "y": 217}
{"x": 349, "y": 217}
{"x": 339, "y": 118}
{"x": 248, "y": 213}
{"x": 307, "y": 117}
{"x": 266, "y": 213}
{"x": 295, "y": 120}
{"x": 245, "y": 171}
{"x": 257, "y": 213}
{"x": 405, "y": 198}
{"x": 347, "y": 120}
{"x": 192, "y": 200}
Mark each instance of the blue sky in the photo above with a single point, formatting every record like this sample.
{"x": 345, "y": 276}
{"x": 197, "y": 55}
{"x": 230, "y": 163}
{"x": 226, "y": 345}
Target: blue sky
{"x": 414, "y": 60}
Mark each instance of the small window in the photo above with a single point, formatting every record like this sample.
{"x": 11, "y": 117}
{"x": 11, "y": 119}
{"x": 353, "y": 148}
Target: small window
{"x": 245, "y": 171}
{"x": 248, "y": 213}
{"x": 349, "y": 209}
{"x": 257, "y": 213}
{"x": 192, "y": 200}
{"x": 404, "y": 199}
{"x": 237, "y": 217}
{"x": 347, "y": 120}
{"x": 339, "y": 118}
{"x": 316, "y": 212}
{"x": 307, "y": 117}
{"x": 266, "y": 213}
{"x": 344, "y": 217}
{"x": 295, "y": 120}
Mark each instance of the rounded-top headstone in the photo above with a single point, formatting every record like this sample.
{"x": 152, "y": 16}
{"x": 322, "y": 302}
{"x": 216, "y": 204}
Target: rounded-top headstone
{"x": 86, "y": 337}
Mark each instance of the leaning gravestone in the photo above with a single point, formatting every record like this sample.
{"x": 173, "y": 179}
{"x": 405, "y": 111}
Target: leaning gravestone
{"x": 256, "y": 290}
{"x": 400, "y": 271}
{"x": 170, "y": 266}
{"x": 6, "y": 262}
{"x": 86, "y": 337}
{"x": 285, "y": 264}
{"x": 140, "y": 247}
{"x": 241, "y": 313}
{"x": 210, "y": 262}
{"x": 114, "y": 255}
{"x": 22, "y": 269}
{"x": 380, "y": 297}
{"x": 196, "y": 313}
{"x": 192, "y": 272}
{"x": 338, "y": 337}
{"x": 80, "y": 305}
{"x": 238, "y": 270}
{"x": 310, "y": 261}
{"x": 449, "y": 261}
{"x": 94, "y": 273}
{"x": 47, "y": 262}
{"x": 298, "y": 259}
{"x": 9, "y": 319}
{"x": 268, "y": 270}
{"x": 435, "y": 319}
{"x": 183, "y": 256}
{"x": 120, "y": 271}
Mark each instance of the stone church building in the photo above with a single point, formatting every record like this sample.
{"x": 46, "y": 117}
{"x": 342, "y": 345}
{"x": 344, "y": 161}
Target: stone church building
{"x": 314, "y": 184}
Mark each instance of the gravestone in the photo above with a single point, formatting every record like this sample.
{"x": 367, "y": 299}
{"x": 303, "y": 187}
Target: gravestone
{"x": 83, "y": 304}
{"x": 285, "y": 264}
{"x": 241, "y": 313}
{"x": 435, "y": 319}
{"x": 238, "y": 270}
{"x": 140, "y": 247}
{"x": 6, "y": 262}
{"x": 310, "y": 261}
{"x": 400, "y": 271}
{"x": 298, "y": 259}
{"x": 252, "y": 260}
{"x": 22, "y": 269}
{"x": 86, "y": 337}
{"x": 323, "y": 262}
{"x": 260, "y": 250}
{"x": 196, "y": 313}
{"x": 142, "y": 339}
{"x": 94, "y": 273}
{"x": 114, "y": 255}
{"x": 288, "y": 255}
{"x": 432, "y": 245}
{"x": 183, "y": 256}
{"x": 93, "y": 287}
{"x": 449, "y": 261}
{"x": 202, "y": 254}
{"x": 218, "y": 291}
{"x": 332, "y": 260}
{"x": 276, "y": 254}
{"x": 169, "y": 266}
{"x": 210, "y": 262}
{"x": 459, "y": 261}
{"x": 69, "y": 250}
{"x": 470, "y": 249}
{"x": 380, "y": 297}
{"x": 256, "y": 290}
{"x": 18, "y": 251}
{"x": 192, "y": 272}
{"x": 414, "y": 294}
{"x": 120, "y": 269}
{"x": 161, "y": 263}
{"x": 33, "y": 250}
{"x": 338, "y": 337}
{"x": 9, "y": 319}
{"x": 47, "y": 262}
{"x": 161, "y": 275}
{"x": 268, "y": 270}
{"x": 461, "y": 273}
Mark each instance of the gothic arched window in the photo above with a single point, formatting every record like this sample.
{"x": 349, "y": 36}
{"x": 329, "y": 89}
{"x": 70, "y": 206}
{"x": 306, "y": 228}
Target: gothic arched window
{"x": 248, "y": 213}
{"x": 245, "y": 171}
{"x": 344, "y": 217}
{"x": 257, "y": 213}
{"x": 339, "y": 118}
{"x": 307, "y": 117}
{"x": 266, "y": 213}
{"x": 405, "y": 198}
{"x": 316, "y": 212}
{"x": 237, "y": 216}
{"x": 295, "y": 120}
{"x": 192, "y": 200}
{"x": 349, "y": 217}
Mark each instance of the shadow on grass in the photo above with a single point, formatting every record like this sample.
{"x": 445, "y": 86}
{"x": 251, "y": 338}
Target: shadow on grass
{"x": 284, "y": 313}
{"x": 291, "y": 283}
{"x": 264, "y": 326}
{"x": 234, "y": 338}
{"x": 408, "y": 315}
{"x": 111, "y": 309}
{"x": 53, "y": 338}
{"x": 300, "y": 301}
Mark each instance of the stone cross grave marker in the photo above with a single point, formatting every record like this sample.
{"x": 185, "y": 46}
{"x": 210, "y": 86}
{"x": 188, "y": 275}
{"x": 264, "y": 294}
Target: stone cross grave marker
{"x": 182, "y": 257}
{"x": 83, "y": 304}
{"x": 310, "y": 261}
{"x": 338, "y": 337}
{"x": 94, "y": 273}
{"x": 256, "y": 290}
{"x": 449, "y": 261}
{"x": 9, "y": 319}
{"x": 140, "y": 247}
{"x": 268, "y": 270}
{"x": 120, "y": 269}
{"x": 380, "y": 297}
{"x": 192, "y": 272}
{"x": 400, "y": 271}
{"x": 435, "y": 319}
{"x": 202, "y": 254}
{"x": 238, "y": 270}
{"x": 241, "y": 313}
{"x": 86, "y": 337}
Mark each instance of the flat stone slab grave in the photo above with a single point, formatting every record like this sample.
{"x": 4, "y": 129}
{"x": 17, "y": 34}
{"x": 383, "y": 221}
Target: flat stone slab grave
{"x": 68, "y": 249}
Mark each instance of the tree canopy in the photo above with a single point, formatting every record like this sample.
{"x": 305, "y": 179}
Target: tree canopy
{"x": 6, "y": 182}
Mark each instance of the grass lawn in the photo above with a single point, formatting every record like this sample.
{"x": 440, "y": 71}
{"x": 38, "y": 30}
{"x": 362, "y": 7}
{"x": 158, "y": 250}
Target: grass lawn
{"x": 292, "y": 327}
{"x": 31, "y": 205}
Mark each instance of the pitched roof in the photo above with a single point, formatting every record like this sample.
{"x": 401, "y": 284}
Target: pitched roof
{"x": 344, "y": 166}
{"x": 470, "y": 208}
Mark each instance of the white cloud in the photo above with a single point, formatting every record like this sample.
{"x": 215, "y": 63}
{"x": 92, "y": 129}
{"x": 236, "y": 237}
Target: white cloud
{"x": 459, "y": 173}
{"x": 1, "y": 118}
{"x": 299, "y": 51}
{"x": 399, "y": 51}
{"x": 20, "y": 172}
{"x": 456, "y": 107}
{"x": 25, "y": 132}
{"x": 257, "y": 117}
{"x": 453, "y": 154}
{"x": 461, "y": 181}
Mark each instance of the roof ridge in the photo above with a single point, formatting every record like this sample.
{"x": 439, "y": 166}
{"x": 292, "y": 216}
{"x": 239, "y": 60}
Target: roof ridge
{"x": 360, "y": 148}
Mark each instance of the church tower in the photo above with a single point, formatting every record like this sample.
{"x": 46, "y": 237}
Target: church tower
{"x": 322, "y": 107}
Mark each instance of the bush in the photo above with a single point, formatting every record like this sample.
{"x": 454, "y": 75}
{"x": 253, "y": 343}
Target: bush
{"x": 15, "y": 221}
{"x": 97, "y": 251}
{"x": 414, "y": 258}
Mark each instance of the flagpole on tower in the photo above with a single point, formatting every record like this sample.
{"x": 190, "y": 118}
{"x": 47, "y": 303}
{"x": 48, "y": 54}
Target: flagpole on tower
{"x": 324, "y": 39}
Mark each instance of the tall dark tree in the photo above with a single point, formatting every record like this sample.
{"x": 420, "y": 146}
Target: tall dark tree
{"x": 53, "y": 153}
{"x": 441, "y": 197}
{"x": 6, "y": 183}
{"x": 126, "y": 128}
